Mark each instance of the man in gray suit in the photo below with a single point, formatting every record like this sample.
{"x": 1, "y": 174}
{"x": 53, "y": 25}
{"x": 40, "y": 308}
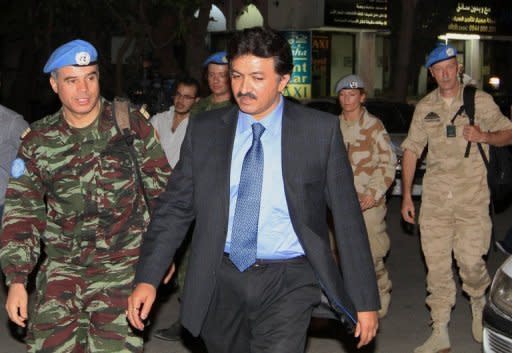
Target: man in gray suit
{"x": 258, "y": 179}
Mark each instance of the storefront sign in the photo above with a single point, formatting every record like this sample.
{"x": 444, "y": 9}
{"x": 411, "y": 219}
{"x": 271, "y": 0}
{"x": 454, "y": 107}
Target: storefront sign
{"x": 369, "y": 14}
{"x": 482, "y": 17}
{"x": 300, "y": 82}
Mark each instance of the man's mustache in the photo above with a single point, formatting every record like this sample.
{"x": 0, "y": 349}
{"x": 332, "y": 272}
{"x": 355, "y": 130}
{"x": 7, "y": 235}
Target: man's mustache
{"x": 248, "y": 94}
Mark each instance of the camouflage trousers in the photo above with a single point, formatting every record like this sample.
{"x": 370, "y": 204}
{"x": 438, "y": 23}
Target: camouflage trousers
{"x": 464, "y": 229}
{"x": 82, "y": 309}
{"x": 375, "y": 221}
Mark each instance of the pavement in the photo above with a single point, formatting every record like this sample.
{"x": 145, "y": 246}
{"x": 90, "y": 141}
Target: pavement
{"x": 405, "y": 327}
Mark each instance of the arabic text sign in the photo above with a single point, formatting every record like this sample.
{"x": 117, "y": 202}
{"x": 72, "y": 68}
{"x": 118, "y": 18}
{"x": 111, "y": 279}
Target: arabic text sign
{"x": 481, "y": 17}
{"x": 357, "y": 13}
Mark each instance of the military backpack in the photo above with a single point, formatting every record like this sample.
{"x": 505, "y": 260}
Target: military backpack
{"x": 499, "y": 163}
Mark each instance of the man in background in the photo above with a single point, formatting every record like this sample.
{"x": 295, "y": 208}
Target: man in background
{"x": 217, "y": 74}
{"x": 454, "y": 217}
{"x": 171, "y": 125}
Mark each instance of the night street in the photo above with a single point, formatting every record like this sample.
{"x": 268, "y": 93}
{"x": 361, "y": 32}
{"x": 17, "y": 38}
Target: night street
{"x": 405, "y": 327}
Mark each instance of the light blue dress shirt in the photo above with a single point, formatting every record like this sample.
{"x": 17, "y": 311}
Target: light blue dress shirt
{"x": 276, "y": 237}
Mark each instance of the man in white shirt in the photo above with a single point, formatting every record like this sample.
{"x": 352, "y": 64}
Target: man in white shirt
{"x": 172, "y": 124}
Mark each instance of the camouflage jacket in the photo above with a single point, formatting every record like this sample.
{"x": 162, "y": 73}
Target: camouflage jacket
{"x": 77, "y": 193}
{"x": 371, "y": 155}
{"x": 206, "y": 104}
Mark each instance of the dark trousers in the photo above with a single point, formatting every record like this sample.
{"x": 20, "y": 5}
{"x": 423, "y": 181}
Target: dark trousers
{"x": 266, "y": 309}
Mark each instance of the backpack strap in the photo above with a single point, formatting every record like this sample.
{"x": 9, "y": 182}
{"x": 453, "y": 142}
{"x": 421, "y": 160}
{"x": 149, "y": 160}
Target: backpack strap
{"x": 121, "y": 113}
{"x": 468, "y": 101}
{"x": 122, "y": 117}
{"x": 468, "y": 98}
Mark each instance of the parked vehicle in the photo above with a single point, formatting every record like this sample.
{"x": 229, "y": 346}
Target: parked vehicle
{"x": 497, "y": 316}
{"x": 396, "y": 118}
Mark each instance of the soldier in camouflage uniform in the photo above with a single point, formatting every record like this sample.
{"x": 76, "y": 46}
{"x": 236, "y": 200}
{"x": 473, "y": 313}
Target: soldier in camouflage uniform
{"x": 73, "y": 188}
{"x": 217, "y": 73}
{"x": 454, "y": 217}
{"x": 373, "y": 164}
{"x": 218, "y": 81}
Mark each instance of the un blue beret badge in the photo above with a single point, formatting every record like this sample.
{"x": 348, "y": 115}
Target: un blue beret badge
{"x": 82, "y": 58}
{"x": 450, "y": 51}
{"x": 17, "y": 168}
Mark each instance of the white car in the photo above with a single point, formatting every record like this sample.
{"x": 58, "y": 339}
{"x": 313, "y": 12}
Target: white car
{"x": 497, "y": 317}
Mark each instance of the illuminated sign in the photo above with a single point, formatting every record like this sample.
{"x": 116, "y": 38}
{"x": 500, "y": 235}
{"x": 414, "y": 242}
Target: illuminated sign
{"x": 482, "y": 17}
{"x": 300, "y": 82}
{"x": 370, "y": 14}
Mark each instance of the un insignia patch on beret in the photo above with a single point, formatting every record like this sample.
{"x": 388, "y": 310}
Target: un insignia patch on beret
{"x": 82, "y": 58}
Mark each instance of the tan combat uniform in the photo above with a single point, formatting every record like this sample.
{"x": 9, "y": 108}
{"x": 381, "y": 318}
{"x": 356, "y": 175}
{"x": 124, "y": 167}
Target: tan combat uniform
{"x": 374, "y": 165}
{"x": 454, "y": 215}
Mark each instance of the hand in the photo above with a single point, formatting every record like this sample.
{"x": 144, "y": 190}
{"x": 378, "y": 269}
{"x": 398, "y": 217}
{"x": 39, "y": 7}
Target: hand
{"x": 367, "y": 325}
{"x": 16, "y": 304}
{"x": 408, "y": 212}
{"x": 139, "y": 304}
{"x": 472, "y": 133}
{"x": 366, "y": 202}
{"x": 169, "y": 274}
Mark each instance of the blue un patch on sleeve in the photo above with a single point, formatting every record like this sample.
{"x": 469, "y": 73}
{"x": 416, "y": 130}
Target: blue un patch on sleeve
{"x": 17, "y": 168}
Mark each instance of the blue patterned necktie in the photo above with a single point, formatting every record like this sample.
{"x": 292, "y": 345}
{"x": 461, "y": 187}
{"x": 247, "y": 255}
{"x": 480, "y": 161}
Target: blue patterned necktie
{"x": 245, "y": 222}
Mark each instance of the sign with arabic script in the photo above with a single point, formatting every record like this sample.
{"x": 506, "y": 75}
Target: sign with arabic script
{"x": 369, "y": 14}
{"x": 482, "y": 17}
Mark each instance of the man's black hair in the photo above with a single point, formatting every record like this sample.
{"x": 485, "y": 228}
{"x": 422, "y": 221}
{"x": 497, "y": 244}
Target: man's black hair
{"x": 263, "y": 43}
{"x": 187, "y": 81}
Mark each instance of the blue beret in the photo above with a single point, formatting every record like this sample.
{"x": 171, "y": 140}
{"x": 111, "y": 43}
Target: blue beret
{"x": 349, "y": 82}
{"x": 440, "y": 53}
{"x": 77, "y": 52}
{"x": 219, "y": 58}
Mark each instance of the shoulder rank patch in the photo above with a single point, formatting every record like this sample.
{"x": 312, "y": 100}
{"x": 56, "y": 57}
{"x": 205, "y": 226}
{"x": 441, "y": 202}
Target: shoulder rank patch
{"x": 432, "y": 117}
{"x": 17, "y": 168}
{"x": 144, "y": 112}
{"x": 25, "y": 133}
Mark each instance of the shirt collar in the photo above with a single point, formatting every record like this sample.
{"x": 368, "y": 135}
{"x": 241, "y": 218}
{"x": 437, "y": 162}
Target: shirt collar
{"x": 271, "y": 123}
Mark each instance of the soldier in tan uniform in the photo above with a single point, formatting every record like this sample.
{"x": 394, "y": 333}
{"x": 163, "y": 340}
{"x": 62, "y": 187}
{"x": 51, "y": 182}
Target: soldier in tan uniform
{"x": 454, "y": 216}
{"x": 373, "y": 164}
